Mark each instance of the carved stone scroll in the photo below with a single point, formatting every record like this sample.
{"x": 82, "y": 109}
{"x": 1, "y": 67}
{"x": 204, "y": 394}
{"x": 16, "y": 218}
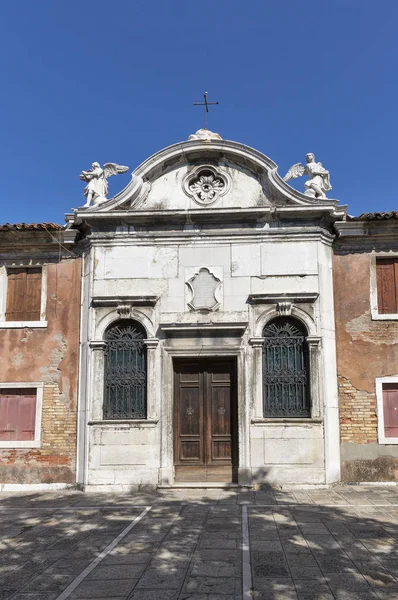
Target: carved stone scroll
{"x": 284, "y": 309}
{"x": 124, "y": 310}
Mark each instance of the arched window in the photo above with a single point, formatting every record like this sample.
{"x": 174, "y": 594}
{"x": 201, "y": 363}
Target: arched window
{"x": 285, "y": 369}
{"x": 125, "y": 371}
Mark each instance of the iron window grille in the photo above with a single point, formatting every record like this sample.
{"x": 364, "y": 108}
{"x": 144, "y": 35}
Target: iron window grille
{"x": 285, "y": 369}
{"x": 125, "y": 372}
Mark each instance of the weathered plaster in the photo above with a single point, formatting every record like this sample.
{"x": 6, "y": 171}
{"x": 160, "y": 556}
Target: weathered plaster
{"x": 362, "y": 328}
{"x": 48, "y": 355}
{"x": 366, "y": 350}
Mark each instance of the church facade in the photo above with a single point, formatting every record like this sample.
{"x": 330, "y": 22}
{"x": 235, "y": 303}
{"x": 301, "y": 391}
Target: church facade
{"x": 208, "y": 351}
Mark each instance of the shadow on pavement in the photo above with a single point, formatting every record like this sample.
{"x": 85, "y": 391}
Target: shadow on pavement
{"x": 305, "y": 544}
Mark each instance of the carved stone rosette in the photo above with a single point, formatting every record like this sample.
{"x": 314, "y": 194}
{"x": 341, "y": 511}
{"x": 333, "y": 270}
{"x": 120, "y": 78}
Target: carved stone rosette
{"x": 206, "y": 185}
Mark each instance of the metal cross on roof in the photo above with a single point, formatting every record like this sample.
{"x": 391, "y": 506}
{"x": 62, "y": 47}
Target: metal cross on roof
{"x": 206, "y": 104}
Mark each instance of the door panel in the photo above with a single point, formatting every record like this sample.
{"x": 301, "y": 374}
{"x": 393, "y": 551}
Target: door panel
{"x": 220, "y": 434}
{"x": 204, "y": 419}
{"x": 191, "y": 411}
{"x": 189, "y": 421}
{"x": 220, "y": 411}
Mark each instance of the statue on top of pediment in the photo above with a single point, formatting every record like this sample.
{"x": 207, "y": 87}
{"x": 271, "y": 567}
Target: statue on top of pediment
{"x": 96, "y": 189}
{"x": 319, "y": 178}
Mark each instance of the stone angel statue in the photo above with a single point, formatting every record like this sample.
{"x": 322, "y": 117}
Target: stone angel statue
{"x": 96, "y": 189}
{"x": 319, "y": 178}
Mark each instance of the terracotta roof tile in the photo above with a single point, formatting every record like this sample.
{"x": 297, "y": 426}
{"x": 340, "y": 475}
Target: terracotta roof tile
{"x": 30, "y": 227}
{"x": 375, "y": 216}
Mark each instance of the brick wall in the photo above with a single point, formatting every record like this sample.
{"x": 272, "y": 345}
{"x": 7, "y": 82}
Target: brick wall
{"x": 358, "y": 419}
{"x": 54, "y": 462}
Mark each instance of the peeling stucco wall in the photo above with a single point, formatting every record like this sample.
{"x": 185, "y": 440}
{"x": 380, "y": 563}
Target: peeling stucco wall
{"x": 48, "y": 355}
{"x": 366, "y": 349}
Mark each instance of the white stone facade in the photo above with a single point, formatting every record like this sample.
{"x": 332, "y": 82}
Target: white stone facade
{"x": 268, "y": 250}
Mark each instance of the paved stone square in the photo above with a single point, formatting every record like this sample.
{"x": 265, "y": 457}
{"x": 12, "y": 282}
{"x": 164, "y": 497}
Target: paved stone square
{"x": 339, "y": 543}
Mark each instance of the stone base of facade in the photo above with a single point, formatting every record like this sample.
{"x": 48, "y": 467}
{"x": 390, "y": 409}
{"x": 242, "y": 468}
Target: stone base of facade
{"x": 376, "y": 468}
{"x": 117, "y": 487}
{"x": 34, "y": 487}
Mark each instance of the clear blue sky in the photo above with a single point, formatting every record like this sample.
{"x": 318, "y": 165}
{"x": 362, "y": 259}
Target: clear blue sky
{"x": 99, "y": 81}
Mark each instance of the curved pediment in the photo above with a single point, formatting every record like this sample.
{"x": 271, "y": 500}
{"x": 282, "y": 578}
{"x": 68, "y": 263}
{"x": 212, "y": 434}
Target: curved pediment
{"x": 205, "y": 174}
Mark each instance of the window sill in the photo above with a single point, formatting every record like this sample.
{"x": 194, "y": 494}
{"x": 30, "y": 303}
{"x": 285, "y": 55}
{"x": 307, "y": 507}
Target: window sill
{"x": 387, "y": 317}
{"x": 125, "y": 422}
{"x": 388, "y": 441}
{"x": 25, "y": 444}
{"x": 286, "y": 421}
{"x": 22, "y": 324}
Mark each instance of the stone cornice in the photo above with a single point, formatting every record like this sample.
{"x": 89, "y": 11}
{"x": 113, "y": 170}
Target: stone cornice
{"x": 37, "y": 238}
{"x": 366, "y": 235}
{"x": 206, "y": 215}
{"x": 98, "y": 238}
{"x": 121, "y": 301}
{"x": 294, "y": 297}
{"x": 38, "y": 246}
{"x": 211, "y": 327}
{"x": 380, "y": 228}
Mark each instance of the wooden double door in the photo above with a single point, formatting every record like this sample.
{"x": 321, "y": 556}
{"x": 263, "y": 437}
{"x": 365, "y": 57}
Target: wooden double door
{"x": 205, "y": 420}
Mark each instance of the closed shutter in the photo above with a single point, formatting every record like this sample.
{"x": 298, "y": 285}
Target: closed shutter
{"x": 23, "y": 294}
{"x": 8, "y": 418}
{"x": 387, "y": 282}
{"x": 390, "y": 409}
{"x": 33, "y": 295}
{"x": 16, "y": 291}
{"x": 17, "y": 415}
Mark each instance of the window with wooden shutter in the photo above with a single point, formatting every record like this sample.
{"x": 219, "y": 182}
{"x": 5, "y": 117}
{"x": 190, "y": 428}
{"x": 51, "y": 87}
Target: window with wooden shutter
{"x": 387, "y": 285}
{"x": 24, "y": 294}
{"x": 390, "y": 409}
{"x": 17, "y": 414}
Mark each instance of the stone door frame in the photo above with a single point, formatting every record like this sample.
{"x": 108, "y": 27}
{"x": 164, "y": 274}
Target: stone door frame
{"x": 168, "y": 354}
{"x": 205, "y": 464}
